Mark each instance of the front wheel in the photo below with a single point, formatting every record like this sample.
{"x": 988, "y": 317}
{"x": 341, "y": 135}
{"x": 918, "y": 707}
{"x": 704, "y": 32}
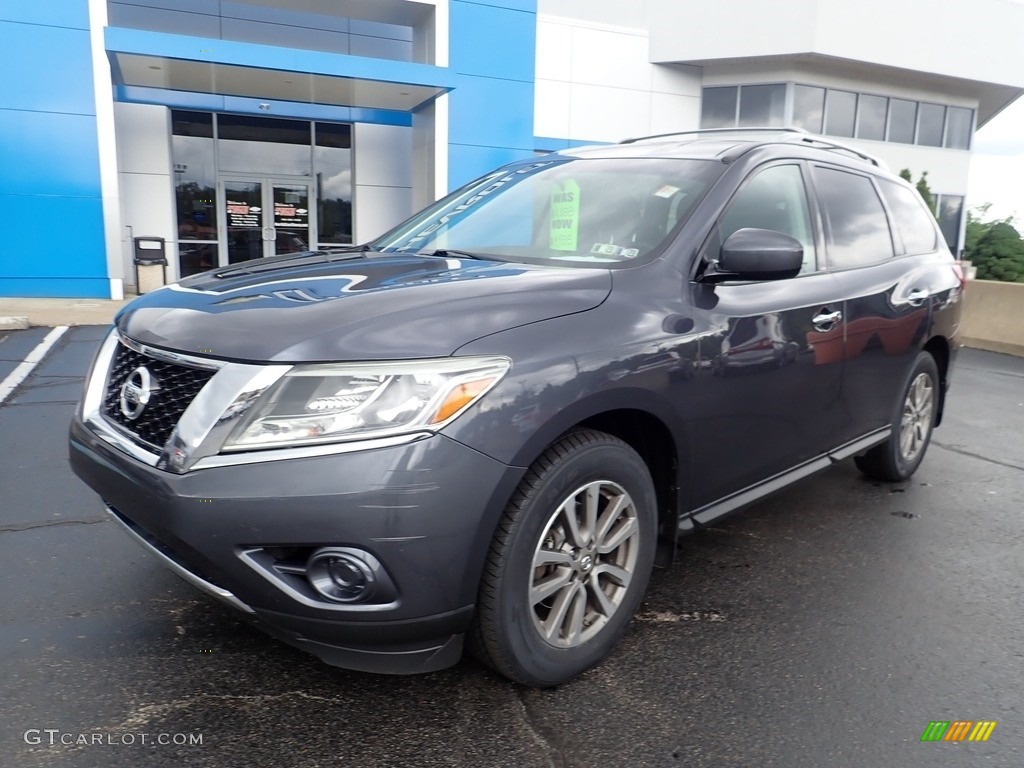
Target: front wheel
{"x": 898, "y": 458}
{"x": 569, "y": 562}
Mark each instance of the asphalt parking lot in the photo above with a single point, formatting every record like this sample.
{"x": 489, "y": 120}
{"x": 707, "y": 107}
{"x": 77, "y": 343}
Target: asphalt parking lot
{"x": 825, "y": 627}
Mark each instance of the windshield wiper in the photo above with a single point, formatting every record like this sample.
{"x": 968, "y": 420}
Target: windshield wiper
{"x": 444, "y": 253}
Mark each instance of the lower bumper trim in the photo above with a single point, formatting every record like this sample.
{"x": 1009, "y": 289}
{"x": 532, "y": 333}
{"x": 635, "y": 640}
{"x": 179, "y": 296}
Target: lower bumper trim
{"x": 196, "y": 581}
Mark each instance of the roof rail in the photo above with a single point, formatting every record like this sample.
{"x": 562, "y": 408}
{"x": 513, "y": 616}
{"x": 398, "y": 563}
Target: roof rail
{"x": 843, "y": 147}
{"x": 781, "y": 134}
{"x": 750, "y": 129}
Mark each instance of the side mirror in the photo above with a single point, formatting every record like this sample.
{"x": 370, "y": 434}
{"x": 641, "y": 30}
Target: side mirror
{"x": 760, "y": 254}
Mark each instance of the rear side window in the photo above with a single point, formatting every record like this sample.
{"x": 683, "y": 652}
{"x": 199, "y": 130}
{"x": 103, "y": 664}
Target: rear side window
{"x": 912, "y": 219}
{"x": 858, "y": 229}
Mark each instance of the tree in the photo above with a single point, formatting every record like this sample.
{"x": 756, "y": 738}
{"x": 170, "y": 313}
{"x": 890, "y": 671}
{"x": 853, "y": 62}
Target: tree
{"x": 994, "y": 247}
{"x": 922, "y": 188}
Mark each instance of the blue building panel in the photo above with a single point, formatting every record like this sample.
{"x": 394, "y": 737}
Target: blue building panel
{"x": 46, "y": 68}
{"x": 491, "y": 112}
{"x": 490, "y": 118}
{"x": 50, "y": 189}
{"x": 530, "y": 6}
{"x": 49, "y": 153}
{"x": 53, "y": 13}
{"x": 56, "y": 240}
{"x": 493, "y": 42}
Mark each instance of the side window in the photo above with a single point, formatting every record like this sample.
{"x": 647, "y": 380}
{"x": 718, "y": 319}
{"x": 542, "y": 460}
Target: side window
{"x": 774, "y": 199}
{"x": 858, "y": 230}
{"x": 911, "y": 217}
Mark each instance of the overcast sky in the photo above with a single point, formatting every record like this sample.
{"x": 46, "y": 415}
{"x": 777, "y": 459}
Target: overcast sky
{"x": 997, "y": 169}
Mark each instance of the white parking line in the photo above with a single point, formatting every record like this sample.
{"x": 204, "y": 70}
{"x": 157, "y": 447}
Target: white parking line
{"x": 19, "y": 374}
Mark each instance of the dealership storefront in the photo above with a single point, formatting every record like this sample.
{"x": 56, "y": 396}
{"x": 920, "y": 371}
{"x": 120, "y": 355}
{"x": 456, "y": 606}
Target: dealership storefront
{"x": 230, "y": 130}
{"x": 247, "y": 187}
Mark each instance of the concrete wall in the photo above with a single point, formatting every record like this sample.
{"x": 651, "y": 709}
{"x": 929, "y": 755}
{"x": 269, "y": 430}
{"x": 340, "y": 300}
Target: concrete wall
{"x": 993, "y": 316}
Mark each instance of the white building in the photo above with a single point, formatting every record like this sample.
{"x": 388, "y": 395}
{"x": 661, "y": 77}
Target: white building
{"x": 235, "y": 129}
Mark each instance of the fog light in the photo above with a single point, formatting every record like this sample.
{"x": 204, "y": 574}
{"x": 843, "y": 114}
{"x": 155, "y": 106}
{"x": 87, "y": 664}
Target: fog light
{"x": 340, "y": 576}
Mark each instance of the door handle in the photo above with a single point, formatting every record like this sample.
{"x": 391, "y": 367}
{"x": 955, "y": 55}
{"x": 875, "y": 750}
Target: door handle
{"x": 917, "y": 298}
{"x": 825, "y": 320}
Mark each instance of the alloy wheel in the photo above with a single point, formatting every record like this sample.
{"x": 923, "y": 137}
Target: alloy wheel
{"x": 918, "y": 411}
{"x": 583, "y": 563}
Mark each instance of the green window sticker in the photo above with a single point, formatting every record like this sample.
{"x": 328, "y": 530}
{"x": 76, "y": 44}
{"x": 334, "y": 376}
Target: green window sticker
{"x": 565, "y": 216}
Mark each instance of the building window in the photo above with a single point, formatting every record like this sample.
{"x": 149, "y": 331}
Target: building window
{"x": 195, "y": 190}
{"x": 273, "y": 146}
{"x": 746, "y": 106}
{"x": 930, "y": 119}
{"x": 871, "y": 113}
{"x": 951, "y": 213}
{"x": 959, "y": 123}
{"x": 332, "y": 158}
{"x": 808, "y": 107}
{"x": 718, "y": 107}
{"x": 264, "y": 153}
{"x": 902, "y": 121}
{"x": 762, "y": 105}
{"x": 840, "y": 113}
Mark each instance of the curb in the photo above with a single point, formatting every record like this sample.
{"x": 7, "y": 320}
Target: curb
{"x": 13, "y": 323}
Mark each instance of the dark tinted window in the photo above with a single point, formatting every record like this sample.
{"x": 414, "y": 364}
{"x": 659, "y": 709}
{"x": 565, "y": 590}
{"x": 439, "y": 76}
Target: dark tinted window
{"x": 913, "y": 221}
{"x": 718, "y": 107}
{"x": 840, "y": 111}
{"x": 858, "y": 230}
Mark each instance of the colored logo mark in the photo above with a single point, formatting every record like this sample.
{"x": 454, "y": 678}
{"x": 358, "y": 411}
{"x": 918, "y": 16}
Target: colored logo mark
{"x": 958, "y": 730}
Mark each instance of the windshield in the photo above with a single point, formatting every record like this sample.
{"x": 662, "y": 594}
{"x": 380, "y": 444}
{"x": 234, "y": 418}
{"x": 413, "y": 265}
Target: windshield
{"x": 561, "y": 210}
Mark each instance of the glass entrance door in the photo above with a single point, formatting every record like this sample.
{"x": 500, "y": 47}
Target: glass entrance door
{"x": 265, "y": 217}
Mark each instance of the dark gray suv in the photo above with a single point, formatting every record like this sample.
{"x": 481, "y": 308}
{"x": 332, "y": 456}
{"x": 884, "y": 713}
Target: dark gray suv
{"x": 488, "y": 425}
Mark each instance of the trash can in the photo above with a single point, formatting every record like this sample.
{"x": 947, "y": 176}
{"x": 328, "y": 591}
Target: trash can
{"x": 150, "y": 264}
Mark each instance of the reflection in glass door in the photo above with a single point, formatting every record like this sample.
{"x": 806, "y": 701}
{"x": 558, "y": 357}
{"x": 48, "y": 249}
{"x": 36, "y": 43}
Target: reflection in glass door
{"x": 244, "y": 210}
{"x": 291, "y": 217}
{"x": 266, "y": 217}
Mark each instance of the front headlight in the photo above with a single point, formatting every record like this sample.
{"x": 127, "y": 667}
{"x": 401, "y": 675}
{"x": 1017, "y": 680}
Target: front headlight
{"x": 322, "y": 403}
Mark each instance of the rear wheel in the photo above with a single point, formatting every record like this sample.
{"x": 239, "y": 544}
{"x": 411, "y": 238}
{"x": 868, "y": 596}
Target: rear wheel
{"x": 899, "y": 457}
{"x": 569, "y": 563}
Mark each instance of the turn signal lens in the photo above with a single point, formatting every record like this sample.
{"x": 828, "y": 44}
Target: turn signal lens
{"x": 459, "y": 398}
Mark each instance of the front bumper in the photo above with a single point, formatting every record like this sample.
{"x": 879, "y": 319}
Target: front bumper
{"x": 426, "y": 510}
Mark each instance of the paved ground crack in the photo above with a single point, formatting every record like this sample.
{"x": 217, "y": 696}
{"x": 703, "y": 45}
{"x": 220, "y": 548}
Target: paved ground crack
{"x": 962, "y": 452}
{"x": 12, "y": 527}
{"x": 543, "y": 734}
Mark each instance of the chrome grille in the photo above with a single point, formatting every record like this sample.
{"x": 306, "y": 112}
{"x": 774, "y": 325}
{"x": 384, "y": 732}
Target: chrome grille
{"x": 179, "y": 384}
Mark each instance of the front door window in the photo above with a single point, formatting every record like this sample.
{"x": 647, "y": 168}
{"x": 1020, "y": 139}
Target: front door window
{"x": 265, "y": 217}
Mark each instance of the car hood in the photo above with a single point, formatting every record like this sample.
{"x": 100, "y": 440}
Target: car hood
{"x": 367, "y": 306}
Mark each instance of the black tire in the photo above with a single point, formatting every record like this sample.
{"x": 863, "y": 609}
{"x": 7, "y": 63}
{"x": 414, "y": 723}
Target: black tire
{"x": 509, "y": 628}
{"x": 898, "y": 458}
